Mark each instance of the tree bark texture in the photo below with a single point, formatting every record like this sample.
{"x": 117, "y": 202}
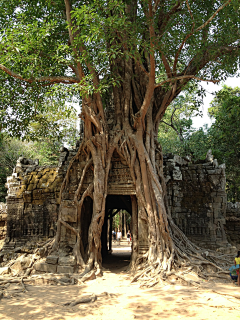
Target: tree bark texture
{"x": 136, "y": 144}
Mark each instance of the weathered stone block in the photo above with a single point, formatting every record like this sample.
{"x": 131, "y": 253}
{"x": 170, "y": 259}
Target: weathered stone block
{"x": 214, "y": 179}
{"x": 177, "y": 175}
{"x": 4, "y": 217}
{"x": 37, "y": 194}
{"x": 31, "y": 187}
{"x": 37, "y": 202}
{"x": 52, "y": 259}
{"x": 45, "y": 267}
{"x": 17, "y": 267}
{"x": 21, "y": 264}
{"x": 65, "y": 269}
{"x": 27, "y": 196}
{"x": 67, "y": 261}
{"x": 68, "y": 210}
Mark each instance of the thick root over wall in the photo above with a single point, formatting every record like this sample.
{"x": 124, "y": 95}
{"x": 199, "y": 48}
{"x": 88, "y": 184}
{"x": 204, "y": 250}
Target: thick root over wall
{"x": 170, "y": 251}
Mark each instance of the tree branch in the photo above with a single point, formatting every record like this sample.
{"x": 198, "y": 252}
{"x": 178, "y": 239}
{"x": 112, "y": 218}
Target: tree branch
{"x": 91, "y": 115}
{"x": 89, "y": 66}
{"x": 155, "y": 6}
{"x": 166, "y": 65}
{"x": 150, "y": 87}
{"x": 71, "y": 36}
{"x": 173, "y": 126}
{"x": 51, "y": 79}
{"x": 190, "y": 11}
{"x": 199, "y": 61}
{"x": 170, "y": 13}
{"x": 184, "y": 77}
{"x": 196, "y": 64}
{"x": 194, "y": 31}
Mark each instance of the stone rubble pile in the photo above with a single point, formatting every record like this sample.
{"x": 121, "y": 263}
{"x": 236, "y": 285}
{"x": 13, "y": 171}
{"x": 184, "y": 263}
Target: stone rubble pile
{"x": 29, "y": 260}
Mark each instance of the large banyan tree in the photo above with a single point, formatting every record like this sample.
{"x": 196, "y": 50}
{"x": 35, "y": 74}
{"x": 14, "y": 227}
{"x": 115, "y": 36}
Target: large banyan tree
{"x": 132, "y": 57}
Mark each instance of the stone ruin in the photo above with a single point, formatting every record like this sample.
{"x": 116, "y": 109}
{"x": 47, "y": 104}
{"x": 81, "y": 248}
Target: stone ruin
{"x": 3, "y": 220}
{"x": 196, "y": 197}
{"x": 233, "y": 222}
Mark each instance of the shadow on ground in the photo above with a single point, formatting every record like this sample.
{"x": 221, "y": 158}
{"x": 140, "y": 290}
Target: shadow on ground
{"x": 119, "y": 259}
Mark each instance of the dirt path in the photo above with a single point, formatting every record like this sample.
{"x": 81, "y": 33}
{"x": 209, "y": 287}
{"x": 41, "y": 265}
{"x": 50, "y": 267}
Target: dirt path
{"x": 124, "y": 300}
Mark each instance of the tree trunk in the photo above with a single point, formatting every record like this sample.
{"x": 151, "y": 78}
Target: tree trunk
{"x": 120, "y": 222}
{"x": 135, "y": 142}
{"x": 134, "y": 232}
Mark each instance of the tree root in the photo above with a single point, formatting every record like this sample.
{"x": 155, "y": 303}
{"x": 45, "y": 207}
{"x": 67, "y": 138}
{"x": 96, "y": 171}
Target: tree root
{"x": 77, "y": 281}
{"x": 23, "y": 285}
{"x": 226, "y": 294}
{"x": 189, "y": 282}
{"x": 86, "y": 299}
{"x": 89, "y": 276}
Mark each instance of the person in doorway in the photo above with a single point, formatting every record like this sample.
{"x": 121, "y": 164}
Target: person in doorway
{"x": 119, "y": 236}
{"x": 237, "y": 261}
{"x": 114, "y": 236}
{"x": 129, "y": 237}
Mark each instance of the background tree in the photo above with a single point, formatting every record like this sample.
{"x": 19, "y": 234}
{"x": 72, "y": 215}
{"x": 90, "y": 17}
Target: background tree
{"x": 135, "y": 56}
{"x": 175, "y": 130}
{"x": 41, "y": 139}
{"x": 224, "y": 136}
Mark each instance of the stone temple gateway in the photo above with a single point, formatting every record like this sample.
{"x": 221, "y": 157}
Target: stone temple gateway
{"x": 196, "y": 199}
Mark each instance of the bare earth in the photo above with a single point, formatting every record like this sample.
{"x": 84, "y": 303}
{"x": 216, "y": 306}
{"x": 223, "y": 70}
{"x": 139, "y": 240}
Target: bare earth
{"x": 117, "y": 298}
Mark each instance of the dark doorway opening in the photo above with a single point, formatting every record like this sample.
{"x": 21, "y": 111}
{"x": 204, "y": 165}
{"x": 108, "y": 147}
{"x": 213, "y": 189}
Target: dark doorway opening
{"x": 86, "y": 217}
{"x": 116, "y": 255}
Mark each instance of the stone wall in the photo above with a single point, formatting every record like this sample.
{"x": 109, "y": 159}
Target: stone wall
{"x": 197, "y": 199}
{"x": 32, "y": 201}
{"x": 232, "y": 226}
{"x": 3, "y": 220}
{"x": 196, "y": 195}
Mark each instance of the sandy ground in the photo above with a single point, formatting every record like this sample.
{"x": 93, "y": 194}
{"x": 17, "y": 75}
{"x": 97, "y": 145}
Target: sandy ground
{"x": 124, "y": 300}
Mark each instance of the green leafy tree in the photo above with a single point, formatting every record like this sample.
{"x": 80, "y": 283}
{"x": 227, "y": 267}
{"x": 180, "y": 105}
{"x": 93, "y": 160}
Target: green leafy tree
{"x": 131, "y": 57}
{"x": 42, "y": 140}
{"x": 175, "y": 128}
{"x": 225, "y": 136}
{"x": 222, "y": 137}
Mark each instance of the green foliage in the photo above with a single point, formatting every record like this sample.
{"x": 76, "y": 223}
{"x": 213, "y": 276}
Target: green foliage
{"x": 30, "y": 111}
{"x": 45, "y": 135}
{"x": 225, "y": 136}
{"x": 117, "y": 223}
{"x": 35, "y": 44}
{"x": 176, "y": 133}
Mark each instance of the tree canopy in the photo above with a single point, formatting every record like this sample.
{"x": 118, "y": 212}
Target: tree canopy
{"x": 42, "y": 46}
{"x": 224, "y": 135}
{"x": 175, "y": 130}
